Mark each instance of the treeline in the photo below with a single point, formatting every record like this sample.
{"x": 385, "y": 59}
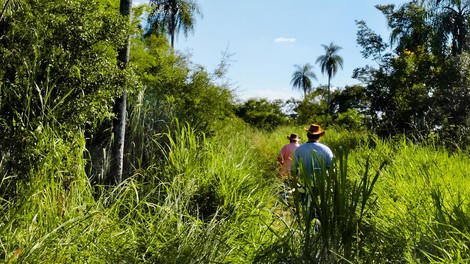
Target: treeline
{"x": 417, "y": 86}
{"x": 59, "y": 69}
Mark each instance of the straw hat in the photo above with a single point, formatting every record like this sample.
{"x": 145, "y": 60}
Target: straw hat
{"x": 315, "y": 129}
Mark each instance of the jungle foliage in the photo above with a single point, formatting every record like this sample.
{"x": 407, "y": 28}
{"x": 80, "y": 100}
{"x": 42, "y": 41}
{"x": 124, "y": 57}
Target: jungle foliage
{"x": 420, "y": 85}
{"x": 201, "y": 181}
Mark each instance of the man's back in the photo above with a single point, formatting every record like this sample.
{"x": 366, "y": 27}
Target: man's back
{"x": 312, "y": 155}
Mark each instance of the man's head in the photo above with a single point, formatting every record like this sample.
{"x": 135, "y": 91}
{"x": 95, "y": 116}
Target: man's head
{"x": 314, "y": 132}
{"x": 293, "y": 138}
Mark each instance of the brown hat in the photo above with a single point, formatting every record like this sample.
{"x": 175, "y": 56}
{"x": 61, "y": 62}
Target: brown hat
{"x": 315, "y": 129}
{"x": 293, "y": 136}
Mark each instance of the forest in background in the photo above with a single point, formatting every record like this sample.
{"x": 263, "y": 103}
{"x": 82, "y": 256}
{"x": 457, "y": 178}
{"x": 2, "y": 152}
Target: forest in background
{"x": 199, "y": 175}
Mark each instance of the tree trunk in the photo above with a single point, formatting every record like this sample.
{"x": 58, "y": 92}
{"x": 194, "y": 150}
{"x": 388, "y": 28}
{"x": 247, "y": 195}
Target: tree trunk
{"x": 120, "y": 111}
{"x": 172, "y": 31}
{"x": 328, "y": 99}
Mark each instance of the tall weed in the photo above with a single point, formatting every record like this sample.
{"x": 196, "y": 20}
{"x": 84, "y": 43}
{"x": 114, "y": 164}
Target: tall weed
{"x": 421, "y": 203}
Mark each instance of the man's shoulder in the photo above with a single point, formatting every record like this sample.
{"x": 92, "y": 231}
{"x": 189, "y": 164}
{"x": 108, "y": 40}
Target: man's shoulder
{"x": 322, "y": 145}
{"x": 286, "y": 147}
{"x": 302, "y": 147}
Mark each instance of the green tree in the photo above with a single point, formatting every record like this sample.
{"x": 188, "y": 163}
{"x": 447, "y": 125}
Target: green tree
{"x": 372, "y": 44}
{"x": 401, "y": 88}
{"x": 410, "y": 26}
{"x": 262, "y": 113}
{"x": 329, "y": 64}
{"x": 451, "y": 102}
{"x": 58, "y": 71}
{"x": 171, "y": 16}
{"x": 174, "y": 92}
{"x": 312, "y": 109}
{"x": 350, "y": 106}
{"x": 350, "y": 97}
{"x": 301, "y": 78}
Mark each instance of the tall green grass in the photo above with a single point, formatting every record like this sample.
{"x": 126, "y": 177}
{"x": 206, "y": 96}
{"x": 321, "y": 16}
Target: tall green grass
{"x": 50, "y": 206}
{"x": 216, "y": 185}
{"x": 423, "y": 209}
{"x": 215, "y": 200}
{"x": 326, "y": 221}
{"x": 416, "y": 211}
{"x": 206, "y": 203}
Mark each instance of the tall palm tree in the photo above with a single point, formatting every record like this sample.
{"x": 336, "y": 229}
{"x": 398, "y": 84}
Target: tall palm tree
{"x": 172, "y": 16}
{"x": 453, "y": 19}
{"x": 301, "y": 78}
{"x": 120, "y": 105}
{"x": 329, "y": 64}
{"x": 409, "y": 26}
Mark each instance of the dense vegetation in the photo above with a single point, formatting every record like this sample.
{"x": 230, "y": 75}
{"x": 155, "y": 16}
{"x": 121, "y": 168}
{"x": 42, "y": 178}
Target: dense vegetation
{"x": 200, "y": 175}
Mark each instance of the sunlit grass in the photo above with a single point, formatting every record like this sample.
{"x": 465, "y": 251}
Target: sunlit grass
{"x": 216, "y": 200}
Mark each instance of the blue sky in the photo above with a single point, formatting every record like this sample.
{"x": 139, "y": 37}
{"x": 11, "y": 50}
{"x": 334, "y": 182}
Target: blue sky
{"x": 268, "y": 37}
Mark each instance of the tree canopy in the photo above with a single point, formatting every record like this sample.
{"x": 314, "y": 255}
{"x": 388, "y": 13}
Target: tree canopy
{"x": 417, "y": 88}
{"x": 172, "y": 16}
{"x": 302, "y": 78}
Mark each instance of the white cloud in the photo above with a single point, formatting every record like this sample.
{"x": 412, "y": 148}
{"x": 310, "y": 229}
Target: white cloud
{"x": 282, "y": 39}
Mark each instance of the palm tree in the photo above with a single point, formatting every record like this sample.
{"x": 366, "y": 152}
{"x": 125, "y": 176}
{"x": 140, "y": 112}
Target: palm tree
{"x": 409, "y": 25}
{"x": 301, "y": 78}
{"x": 452, "y": 18}
{"x": 120, "y": 105}
{"x": 171, "y": 16}
{"x": 329, "y": 63}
